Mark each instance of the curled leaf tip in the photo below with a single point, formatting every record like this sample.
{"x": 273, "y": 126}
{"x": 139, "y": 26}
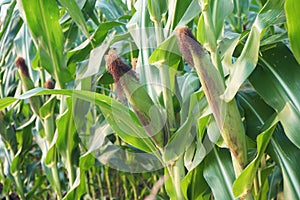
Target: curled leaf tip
{"x": 116, "y": 66}
{"x": 186, "y": 42}
{"x": 49, "y": 84}
{"x": 20, "y": 63}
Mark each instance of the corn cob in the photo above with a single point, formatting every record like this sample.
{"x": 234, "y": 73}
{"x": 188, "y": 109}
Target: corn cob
{"x": 226, "y": 114}
{"x": 35, "y": 102}
{"x": 145, "y": 109}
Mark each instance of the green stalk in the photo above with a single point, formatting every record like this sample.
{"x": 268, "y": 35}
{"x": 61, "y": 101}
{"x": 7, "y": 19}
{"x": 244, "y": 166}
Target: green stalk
{"x": 212, "y": 39}
{"x": 168, "y": 100}
{"x": 165, "y": 79}
{"x": 70, "y": 168}
{"x": 49, "y": 132}
{"x": 117, "y": 185}
{"x": 178, "y": 173}
{"x": 100, "y": 184}
{"x": 56, "y": 179}
{"x": 175, "y": 173}
{"x": 226, "y": 114}
{"x": 42, "y": 76}
{"x": 133, "y": 187}
{"x": 123, "y": 178}
{"x": 239, "y": 27}
{"x": 49, "y": 126}
{"x": 217, "y": 61}
{"x": 48, "y": 121}
{"x": 1, "y": 86}
{"x": 145, "y": 72}
{"x": 106, "y": 173}
{"x": 19, "y": 184}
{"x": 88, "y": 184}
{"x": 91, "y": 183}
{"x": 158, "y": 32}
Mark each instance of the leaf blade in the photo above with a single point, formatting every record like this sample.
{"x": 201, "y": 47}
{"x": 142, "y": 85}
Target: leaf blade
{"x": 292, "y": 8}
{"x": 48, "y": 36}
{"x": 76, "y": 14}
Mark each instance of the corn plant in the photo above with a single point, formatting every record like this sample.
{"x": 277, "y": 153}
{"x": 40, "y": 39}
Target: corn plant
{"x": 149, "y": 99}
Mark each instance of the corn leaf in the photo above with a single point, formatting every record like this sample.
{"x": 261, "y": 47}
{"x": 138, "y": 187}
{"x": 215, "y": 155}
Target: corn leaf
{"x": 76, "y": 14}
{"x": 191, "y": 182}
{"x": 218, "y": 173}
{"x": 292, "y": 15}
{"x": 280, "y": 148}
{"x": 122, "y": 120}
{"x": 279, "y": 86}
{"x": 5, "y": 102}
{"x": 48, "y": 36}
{"x": 272, "y": 13}
{"x": 287, "y": 156}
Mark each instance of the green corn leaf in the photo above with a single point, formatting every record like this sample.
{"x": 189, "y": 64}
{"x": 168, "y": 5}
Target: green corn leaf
{"x": 66, "y": 134}
{"x": 72, "y": 191}
{"x": 67, "y": 141}
{"x": 195, "y": 153}
{"x": 287, "y": 156}
{"x": 167, "y": 53}
{"x": 184, "y": 136}
{"x": 191, "y": 182}
{"x": 244, "y": 65}
{"x": 241, "y": 8}
{"x": 51, "y": 155}
{"x": 81, "y": 52}
{"x": 48, "y": 36}
{"x": 272, "y": 13}
{"x": 190, "y": 13}
{"x": 8, "y": 18}
{"x": 292, "y": 15}
{"x": 221, "y": 9}
{"x": 87, "y": 161}
{"x": 188, "y": 84}
{"x": 76, "y": 14}
{"x": 279, "y": 68}
{"x": 127, "y": 125}
{"x": 10, "y": 28}
{"x": 110, "y": 9}
{"x": 288, "y": 115}
{"x": 47, "y": 109}
{"x": 218, "y": 173}
{"x": 182, "y": 12}
{"x": 5, "y": 102}
{"x": 255, "y": 110}
{"x": 280, "y": 148}
{"x": 179, "y": 141}
{"x": 37, "y": 184}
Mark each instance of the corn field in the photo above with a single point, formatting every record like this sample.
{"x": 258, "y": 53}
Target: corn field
{"x": 145, "y": 99}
